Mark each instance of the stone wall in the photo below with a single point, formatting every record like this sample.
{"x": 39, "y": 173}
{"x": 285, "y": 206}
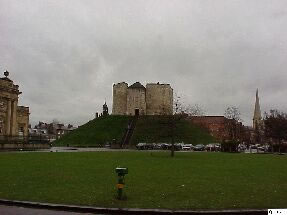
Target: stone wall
{"x": 23, "y": 119}
{"x": 120, "y": 98}
{"x": 159, "y": 99}
{"x": 24, "y": 146}
{"x": 136, "y": 99}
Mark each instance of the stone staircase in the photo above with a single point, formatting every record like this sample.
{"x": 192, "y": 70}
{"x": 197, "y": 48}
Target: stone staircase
{"x": 128, "y": 133}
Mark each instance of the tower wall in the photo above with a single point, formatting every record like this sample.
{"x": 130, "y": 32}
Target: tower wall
{"x": 136, "y": 99}
{"x": 159, "y": 99}
{"x": 120, "y": 98}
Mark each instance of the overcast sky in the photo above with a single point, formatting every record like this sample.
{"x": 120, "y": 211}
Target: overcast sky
{"x": 66, "y": 54}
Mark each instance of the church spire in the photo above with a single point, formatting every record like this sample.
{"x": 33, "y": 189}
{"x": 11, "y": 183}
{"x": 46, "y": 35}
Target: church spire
{"x": 257, "y": 112}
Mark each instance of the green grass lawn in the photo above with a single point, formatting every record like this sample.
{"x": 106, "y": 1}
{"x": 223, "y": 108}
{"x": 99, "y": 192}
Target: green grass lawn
{"x": 155, "y": 180}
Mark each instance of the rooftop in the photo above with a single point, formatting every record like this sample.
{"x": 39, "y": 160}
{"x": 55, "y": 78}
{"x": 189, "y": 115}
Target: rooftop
{"x": 137, "y": 85}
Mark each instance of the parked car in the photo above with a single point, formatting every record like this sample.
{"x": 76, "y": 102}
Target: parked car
{"x": 187, "y": 147}
{"x": 157, "y": 146}
{"x": 253, "y": 146}
{"x": 149, "y": 146}
{"x": 261, "y": 148}
{"x": 141, "y": 146}
{"x": 145, "y": 146}
{"x": 241, "y": 147}
{"x": 210, "y": 147}
{"x": 199, "y": 147}
{"x": 107, "y": 145}
{"x": 166, "y": 146}
{"x": 178, "y": 146}
{"x": 217, "y": 146}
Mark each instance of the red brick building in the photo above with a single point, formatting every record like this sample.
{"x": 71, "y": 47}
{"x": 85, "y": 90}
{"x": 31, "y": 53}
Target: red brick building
{"x": 214, "y": 124}
{"x": 220, "y": 127}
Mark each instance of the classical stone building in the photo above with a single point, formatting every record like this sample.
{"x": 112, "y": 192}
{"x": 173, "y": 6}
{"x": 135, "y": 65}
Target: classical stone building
{"x": 154, "y": 99}
{"x": 14, "y": 119}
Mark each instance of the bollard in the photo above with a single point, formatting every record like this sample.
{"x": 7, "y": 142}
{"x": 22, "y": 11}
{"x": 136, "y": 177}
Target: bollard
{"x": 121, "y": 171}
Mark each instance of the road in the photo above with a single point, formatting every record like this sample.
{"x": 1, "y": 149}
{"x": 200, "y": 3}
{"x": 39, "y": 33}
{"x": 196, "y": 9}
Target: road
{"x": 14, "y": 210}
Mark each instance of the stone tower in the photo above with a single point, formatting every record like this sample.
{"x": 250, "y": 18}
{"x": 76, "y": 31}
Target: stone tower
{"x": 154, "y": 99}
{"x": 257, "y": 119}
{"x": 159, "y": 99}
{"x": 120, "y": 92}
{"x": 14, "y": 119}
{"x": 136, "y": 100}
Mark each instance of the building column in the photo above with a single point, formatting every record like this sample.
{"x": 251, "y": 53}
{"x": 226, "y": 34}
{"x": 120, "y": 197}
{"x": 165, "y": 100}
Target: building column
{"x": 8, "y": 119}
{"x": 13, "y": 126}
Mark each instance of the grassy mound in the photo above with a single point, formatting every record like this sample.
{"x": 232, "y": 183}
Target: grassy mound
{"x": 96, "y": 132}
{"x": 157, "y": 129}
{"x": 148, "y": 129}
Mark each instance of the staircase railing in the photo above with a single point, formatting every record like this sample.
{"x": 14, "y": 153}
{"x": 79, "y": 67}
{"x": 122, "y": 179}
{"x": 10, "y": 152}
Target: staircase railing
{"x": 129, "y": 132}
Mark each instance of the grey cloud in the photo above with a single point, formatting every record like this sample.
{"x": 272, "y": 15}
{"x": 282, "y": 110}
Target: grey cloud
{"x": 65, "y": 55}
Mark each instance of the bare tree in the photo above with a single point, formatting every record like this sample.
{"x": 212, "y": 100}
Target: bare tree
{"x": 180, "y": 111}
{"x": 173, "y": 120}
{"x": 232, "y": 127}
{"x": 246, "y": 135}
{"x": 258, "y": 134}
{"x": 275, "y": 127}
{"x": 178, "y": 105}
{"x": 233, "y": 112}
{"x": 195, "y": 110}
{"x": 233, "y": 122}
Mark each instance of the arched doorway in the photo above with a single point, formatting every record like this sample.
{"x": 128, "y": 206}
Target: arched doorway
{"x": 137, "y": 112}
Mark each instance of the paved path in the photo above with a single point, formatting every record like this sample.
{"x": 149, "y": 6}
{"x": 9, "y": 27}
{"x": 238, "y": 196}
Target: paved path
{"x": 92, "y": 149}
{"x": 71, "y": 149}
{"x": 74, "y": 149}
{"x": 13, "y": 210}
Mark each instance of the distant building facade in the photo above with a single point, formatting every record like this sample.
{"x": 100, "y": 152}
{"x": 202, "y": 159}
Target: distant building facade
{"x": 51, "y": 131}
{"x": 154, "y": 99}
{"x": 14, "y": 119}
